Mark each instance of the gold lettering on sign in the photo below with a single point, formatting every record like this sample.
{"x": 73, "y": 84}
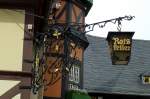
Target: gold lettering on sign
{"x": 121, "y": 44}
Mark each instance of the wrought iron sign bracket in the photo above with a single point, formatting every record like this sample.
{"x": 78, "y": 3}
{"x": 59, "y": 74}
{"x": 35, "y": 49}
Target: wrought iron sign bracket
{"x": 102, "y": 24}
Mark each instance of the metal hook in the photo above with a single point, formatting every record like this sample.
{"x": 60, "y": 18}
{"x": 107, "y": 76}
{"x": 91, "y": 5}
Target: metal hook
{"x": 119, "y": 24}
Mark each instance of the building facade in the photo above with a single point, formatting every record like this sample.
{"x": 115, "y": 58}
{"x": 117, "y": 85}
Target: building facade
{"x": 15, "y": 70}
{"x": 42, "y": 44}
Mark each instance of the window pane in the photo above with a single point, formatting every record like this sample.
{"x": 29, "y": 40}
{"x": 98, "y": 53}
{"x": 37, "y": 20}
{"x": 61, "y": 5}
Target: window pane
{"x": 72, "y": 86}
{"x": 77, "y": 74}
{"x": 74, "y": 74}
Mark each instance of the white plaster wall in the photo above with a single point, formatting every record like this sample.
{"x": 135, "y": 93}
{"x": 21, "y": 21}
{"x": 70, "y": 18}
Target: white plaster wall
{"x": 6, "y": 85}
{"x": 11, "y": 39}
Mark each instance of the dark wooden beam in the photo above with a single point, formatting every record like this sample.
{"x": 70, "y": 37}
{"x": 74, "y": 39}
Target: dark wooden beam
{"x": 16, "y": 73}
{"x": 20, "y": 4}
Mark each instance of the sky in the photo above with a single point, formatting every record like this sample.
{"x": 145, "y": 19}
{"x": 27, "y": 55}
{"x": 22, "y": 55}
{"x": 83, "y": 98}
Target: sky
{"x": 108, "y": 9}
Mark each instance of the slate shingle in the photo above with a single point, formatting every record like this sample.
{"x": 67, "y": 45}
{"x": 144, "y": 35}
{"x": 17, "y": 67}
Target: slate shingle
{"x": 101, "y": 76}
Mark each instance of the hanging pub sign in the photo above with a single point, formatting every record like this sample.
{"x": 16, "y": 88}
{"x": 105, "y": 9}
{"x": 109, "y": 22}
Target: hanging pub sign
{"x": 120, "y": 44}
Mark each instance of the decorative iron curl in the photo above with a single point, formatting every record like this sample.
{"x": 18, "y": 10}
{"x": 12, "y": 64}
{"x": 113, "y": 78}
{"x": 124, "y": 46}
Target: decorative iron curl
{"x": 102, "y": 24}
{"x": 40, "y": 66}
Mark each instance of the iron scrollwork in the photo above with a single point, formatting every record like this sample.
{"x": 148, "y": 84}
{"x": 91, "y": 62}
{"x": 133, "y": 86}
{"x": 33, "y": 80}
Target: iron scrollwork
{"x": 49, "y": 59}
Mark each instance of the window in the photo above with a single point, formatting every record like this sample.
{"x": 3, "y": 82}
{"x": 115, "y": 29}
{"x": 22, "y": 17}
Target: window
{"x": 74, "y": 77}
{"x": 146, "y": 79}
{"x": 74, "y": 74}
{"x": 73, "y": 86}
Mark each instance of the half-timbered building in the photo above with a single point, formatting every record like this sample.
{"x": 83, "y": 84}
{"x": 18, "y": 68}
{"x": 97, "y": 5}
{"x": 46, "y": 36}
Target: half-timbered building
{"x": 35, "y": 67}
